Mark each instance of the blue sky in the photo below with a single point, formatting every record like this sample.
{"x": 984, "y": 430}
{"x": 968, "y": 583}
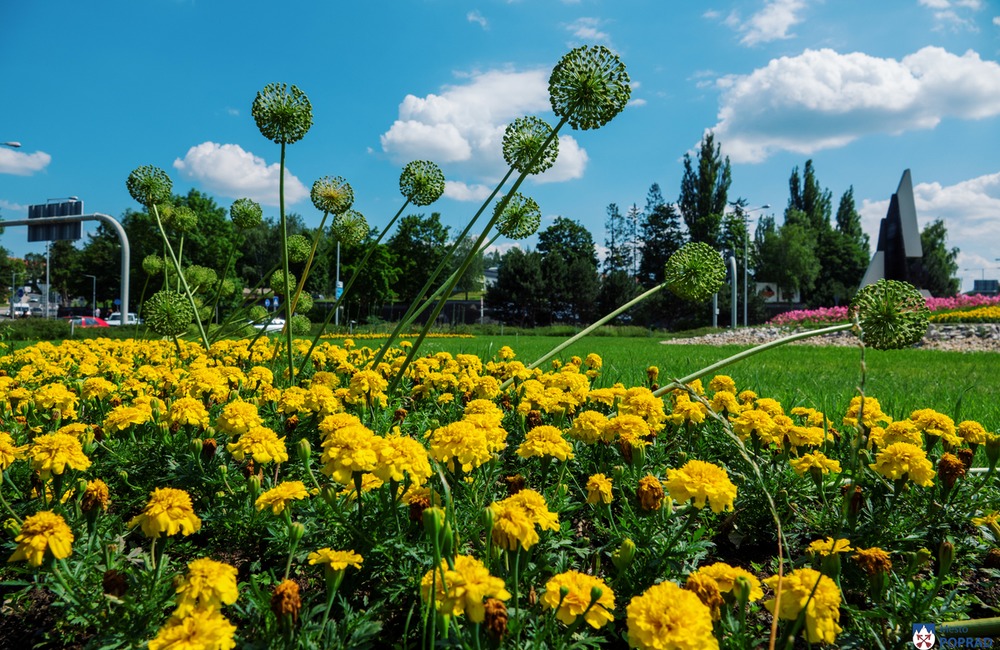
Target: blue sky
{"x": 865, "y": 89}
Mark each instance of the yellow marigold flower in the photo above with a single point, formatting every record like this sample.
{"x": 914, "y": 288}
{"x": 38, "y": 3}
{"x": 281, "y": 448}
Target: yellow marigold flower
{"x": 85, "y": 432}
{"x": 369, "y": 482}
{"x": 57, "y": 397}
{"x": 991, "y": 520}
{"x": 188, "y": 411}
{"x": 871, "y": 416}
{"x": 399, "y": 455}
{"x": 686, "y": 411}
{"x": 42, "y": 530}
{"x": 823, "y": 608}
{"x": 278, "y": 497}
{"x": 702, "y": 482}
{"x": 640, "y": 401}
{"x": 534, "y": 504}
{"x": 122, "y": 417}
{"x": 9, "y": 452}
{"x": 707, "y": 591}
{"x": 972, "y": 432}
{"x": 238, "y": 417}
{"x": 97, "y": 388}
{"x": 486, "y": 409}
{"x": 512, "y": 527}
{"x": 463, "y": 589}
{"x": 902, "y": 460}
{"x": 805, "y": 436}
{"x": 506, "y": 353}
{"x": 460, "y": 443}
{"x": 589, "y": 427}
{"x": 545, "y": 441}
{"x": 606, "y": 396}
{"x": 814, "y": 461}
{"x": 753, "y": 421}
{"x": 169, "y": 511}
{"x": 335, "y": 560}
{"x": 202, "y": 629}
{"x": 347, "y": 450}
{"x": 496, "y": 436}
{"x": 722, "y": 383}
{"x": 367, "y": 387}
{"x": 631, "y": 429}
{"x": 725, "y": 577}
{"x": 725, "y": 402}
{"x": 95, "y": 496}
{"x": 207, "y": 585}
{"x": 52, "y": 453}
{"x": 650, "y": 492}
{"x": 747, "y": 397}
{"x": 898, "y": 431}
{"x": 873, "y": 560}
{"x": 666, "y": 617}
{"x": 932, "y": 423}
{"x": 829, "y": 546}
{"x": 594, "y": 361}
{"x": 331, "y": 423}
{"x": 599, "y": 489}
{"x": 770, "y": 406}
{"x": 581, "y": 589}
{"x": 293, "y": 400}
{"x": 262, "y": 444}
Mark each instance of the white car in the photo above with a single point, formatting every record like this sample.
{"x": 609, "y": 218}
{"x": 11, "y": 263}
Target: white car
{"x": 115, "y": 319}
{"x": 273, "y": 325}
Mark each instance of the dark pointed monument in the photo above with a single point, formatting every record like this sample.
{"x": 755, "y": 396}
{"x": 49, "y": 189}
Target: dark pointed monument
{"x": 898, "y": 239}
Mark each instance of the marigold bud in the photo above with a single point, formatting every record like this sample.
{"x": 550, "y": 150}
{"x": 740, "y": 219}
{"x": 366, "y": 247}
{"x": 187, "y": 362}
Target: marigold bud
{"x": 946, "y": 555}
{"x": 304, "y": 450}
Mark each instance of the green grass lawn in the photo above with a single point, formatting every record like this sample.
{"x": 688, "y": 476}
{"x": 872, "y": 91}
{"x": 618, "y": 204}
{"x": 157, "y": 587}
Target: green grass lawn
{"x": 962, "y": 385}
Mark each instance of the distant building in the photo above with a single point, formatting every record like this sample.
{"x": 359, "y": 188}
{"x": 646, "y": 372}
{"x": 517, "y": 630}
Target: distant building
{"x": 898, "y": 238}
{"x": 985, "y": 287}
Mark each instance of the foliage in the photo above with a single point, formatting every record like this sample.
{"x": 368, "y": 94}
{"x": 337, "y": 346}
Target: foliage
{"x": 704, "y": 192}
{"x": 416, "y": 248}
{"x": 936, "y": 270}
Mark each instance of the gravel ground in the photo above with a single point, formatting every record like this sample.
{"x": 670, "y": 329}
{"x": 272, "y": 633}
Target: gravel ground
{"x": 984, "y": 337}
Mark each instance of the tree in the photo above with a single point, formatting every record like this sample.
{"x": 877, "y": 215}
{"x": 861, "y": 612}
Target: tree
{"x": 568, "y": 239}
{"x": 374, "y": 286}
{"x": 472, "y": 279}
{"x": 843, "y": 254}
{"x": 936, "y": 270}
{"x": 519, "y": 293}
{"x": 616, "y": 241}
{"x": 572, "y": 280}
{"x": 617, "y": 288}
{"x": 417, "y": 247}
{"x": 704, "y": 192}
{"x": 662, "y": 235}
{"x": 788, "y": 257}
{"x": 809, "y": 198}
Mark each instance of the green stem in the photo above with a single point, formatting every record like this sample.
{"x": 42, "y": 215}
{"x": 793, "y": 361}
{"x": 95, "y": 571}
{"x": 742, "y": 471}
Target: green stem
{"x": 350, "y": 283}
{"x": 180, "y": 274}
{"x": 570, "y": 341}
{"x": 284, "y": 259}
{"x": 697, "y": 374}
{"x": 312, "y": 254}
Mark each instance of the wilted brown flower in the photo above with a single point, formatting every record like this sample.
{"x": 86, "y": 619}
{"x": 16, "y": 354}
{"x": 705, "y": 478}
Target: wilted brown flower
{"x": 285, "y": 601}
{"x": 95, "y": 496}
{"x": 650, "y": 493}
{"x": 515, "y": 484}
{"x": 114, "y": 583}
{"x": 496, "y": 618}
{"x": 950, "y": 469}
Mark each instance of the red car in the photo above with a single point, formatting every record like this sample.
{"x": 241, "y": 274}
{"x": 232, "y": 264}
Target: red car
{"x": 88, "y": 321}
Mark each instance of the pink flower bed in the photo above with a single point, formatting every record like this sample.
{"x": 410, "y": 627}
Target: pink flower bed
{"x": 839, "y": 314}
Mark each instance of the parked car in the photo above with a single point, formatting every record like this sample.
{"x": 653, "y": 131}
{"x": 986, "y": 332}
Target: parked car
{"x": 88, "y": 321}
{"x": 115, "y": 319}
{"x": 274, "y": 325}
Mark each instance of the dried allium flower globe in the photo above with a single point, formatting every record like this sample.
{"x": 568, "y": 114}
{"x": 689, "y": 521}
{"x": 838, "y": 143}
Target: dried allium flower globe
{"x": 278, "y": 284}
{"x": 300, "y": 325}
{"x": 589, "y": 86}
{"x": 152, "y": 264}
{"x": 520, "y": 218}
{"x": 200, "y": 276}
{"x": 892, "y": 314}
{"x": 149, "y": 185}
{"x": 298, "y": 248}
{"x": 283, "y": 114}
{"x": 523, "y": 140}
{"x": 695, "y": 272}
{"x": 168, "y": 313}
{"x": 332, "y": 194}
{"x": 349, "y": 228}
{"x": 246, "y": 213}
{"x": 305, "y": 303}
{"x": 422, "y": 182}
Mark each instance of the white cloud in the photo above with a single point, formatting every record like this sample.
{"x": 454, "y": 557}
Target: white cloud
{"x": 947, "y": 14}
{"x": 235, "y": 112}
{"x": 769, "y": 24}
{"x": 12, "y": 207}
{"x": 588, "y": 29}
{"x": 460, "y": 191}
{"x": 935, "y": 4}
{"x": 478, "y": 18}
{"x": 637, "y": 102}
{"x": 465, "y": 123}
{"x": 22, "y": 164}
{"x": 970, "y": 211}
{"x": 996, "y": 20}
{"x": 822, "y": 99}
{"x": 228, "y": 170}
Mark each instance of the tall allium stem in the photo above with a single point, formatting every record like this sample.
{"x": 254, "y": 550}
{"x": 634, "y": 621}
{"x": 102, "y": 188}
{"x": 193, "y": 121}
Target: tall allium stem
{"x": 284, "y": 259}
{"x": 707, "y": 370}
{"x": 312, "y": 254}
{"x": 180, "y": 274}
{"x": 412, "y": 310}
{"x": 468, "y": 259}
{"x": 570, "y": 341}
{"x": 350, "y": 283}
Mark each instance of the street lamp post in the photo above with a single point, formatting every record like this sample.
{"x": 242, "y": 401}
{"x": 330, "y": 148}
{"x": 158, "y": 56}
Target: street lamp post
{"x": 746, "y": 263}
{"x": 93, "y": 298}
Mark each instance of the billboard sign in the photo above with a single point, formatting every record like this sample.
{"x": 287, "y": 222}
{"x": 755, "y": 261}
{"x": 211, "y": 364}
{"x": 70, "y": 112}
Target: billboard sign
{"x": 55, "y": 231}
